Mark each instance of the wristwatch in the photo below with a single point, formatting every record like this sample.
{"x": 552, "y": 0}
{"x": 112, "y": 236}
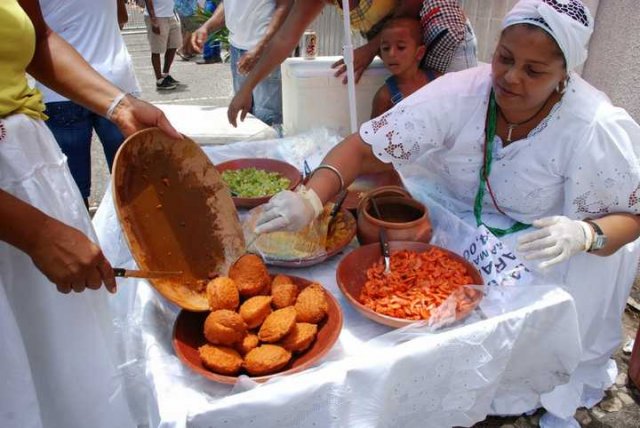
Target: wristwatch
{"x": 599, "y": 238}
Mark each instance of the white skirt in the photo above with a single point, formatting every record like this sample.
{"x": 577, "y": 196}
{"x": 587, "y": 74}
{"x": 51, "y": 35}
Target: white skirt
{"x": 57, "y": 353}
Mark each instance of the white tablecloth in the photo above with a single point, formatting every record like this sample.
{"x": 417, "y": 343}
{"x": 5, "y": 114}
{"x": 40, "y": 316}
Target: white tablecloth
{"x": 522, "y": 342}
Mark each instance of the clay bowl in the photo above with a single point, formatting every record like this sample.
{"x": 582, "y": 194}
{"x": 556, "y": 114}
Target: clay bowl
{"x": 332, "y": 250}
{"x": 403, "y": 218}
{"x": 351, "y": 276}
{"x": 188, "y": 336}
{"x": 176, "y": 214}
{"x": 365, "y": 183}
{"x": 272, "y": 165}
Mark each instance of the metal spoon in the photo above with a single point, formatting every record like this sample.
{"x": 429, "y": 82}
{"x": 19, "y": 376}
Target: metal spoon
{"x": 384, "y": 242}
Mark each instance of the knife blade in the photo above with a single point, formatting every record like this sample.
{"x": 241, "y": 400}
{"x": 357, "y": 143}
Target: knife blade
{"x": 132, "y": 273}
{"x": 335, "y": 210}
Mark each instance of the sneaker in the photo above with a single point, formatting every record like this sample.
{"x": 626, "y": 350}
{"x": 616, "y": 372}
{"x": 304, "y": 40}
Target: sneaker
{"x": 164, "y": 84}
{"x": 171, "y": 79}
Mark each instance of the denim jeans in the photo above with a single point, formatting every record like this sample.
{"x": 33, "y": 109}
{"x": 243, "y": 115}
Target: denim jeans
{"x": 72, "y": 125}
{"x": 267, "y": 95}
{"x": 211, "y": 49}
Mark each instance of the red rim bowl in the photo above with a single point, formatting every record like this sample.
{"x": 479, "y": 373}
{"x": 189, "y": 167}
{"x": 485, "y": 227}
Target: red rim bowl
{"x": 188, "y": 336}
{"x": 351, "y": 276}
{"x": 272, "y": 165}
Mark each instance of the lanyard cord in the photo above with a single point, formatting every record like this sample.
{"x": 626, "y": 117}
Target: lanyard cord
{"x": 490, "y": 135}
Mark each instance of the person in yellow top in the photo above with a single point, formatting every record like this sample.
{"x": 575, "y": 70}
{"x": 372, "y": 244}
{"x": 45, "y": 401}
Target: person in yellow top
{"x": 57, "y": 350}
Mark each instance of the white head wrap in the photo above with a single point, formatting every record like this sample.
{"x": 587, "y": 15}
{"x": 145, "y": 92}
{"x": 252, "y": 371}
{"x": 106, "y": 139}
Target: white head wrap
{"x": 569, "y": 22}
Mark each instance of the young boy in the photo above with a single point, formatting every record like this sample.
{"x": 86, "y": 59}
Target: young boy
{"x": 401, "y": 50}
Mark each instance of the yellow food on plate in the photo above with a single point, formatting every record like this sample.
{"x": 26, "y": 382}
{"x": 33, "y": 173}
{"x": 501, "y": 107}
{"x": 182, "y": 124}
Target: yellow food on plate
{"x": 224, "y": 327}
{"x": 220, "y": 359}
{"x": 277, "y": 325}
{"x": 311, "y": 304}
{"x": 266, "y": 359}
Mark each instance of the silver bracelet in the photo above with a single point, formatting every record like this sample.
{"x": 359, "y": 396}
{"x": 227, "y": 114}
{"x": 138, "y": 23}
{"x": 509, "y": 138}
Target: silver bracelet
{"x": 114, "y": 104}
{"x": 331, "y": 168}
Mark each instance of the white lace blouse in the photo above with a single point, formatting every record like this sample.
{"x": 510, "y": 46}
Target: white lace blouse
{"x": 581, "y": 161}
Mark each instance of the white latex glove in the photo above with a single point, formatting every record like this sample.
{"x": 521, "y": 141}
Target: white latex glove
{"x": 558, "y": 239}
{"x": 290, "y": 211}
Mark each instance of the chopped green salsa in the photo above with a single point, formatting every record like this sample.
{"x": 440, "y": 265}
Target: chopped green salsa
{"x": 253, "y": 182}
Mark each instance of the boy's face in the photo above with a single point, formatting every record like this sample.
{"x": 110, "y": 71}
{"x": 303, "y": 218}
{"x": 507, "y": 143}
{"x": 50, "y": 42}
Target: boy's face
{"x": 399, "y": 51}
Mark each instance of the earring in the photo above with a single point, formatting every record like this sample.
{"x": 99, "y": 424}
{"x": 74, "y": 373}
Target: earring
{"x": 561, "y": 88}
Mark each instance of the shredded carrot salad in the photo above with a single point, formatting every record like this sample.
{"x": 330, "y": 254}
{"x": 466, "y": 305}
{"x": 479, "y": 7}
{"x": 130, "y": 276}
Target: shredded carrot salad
{"x": 417, "y": 284}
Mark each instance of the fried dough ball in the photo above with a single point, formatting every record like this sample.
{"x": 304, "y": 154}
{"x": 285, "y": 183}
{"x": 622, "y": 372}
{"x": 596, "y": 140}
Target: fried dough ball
{"x": 277, "y": 325}
{"x": 284, "y": 293}
{"x": 220, "y": 359}
{"x": 250, "y": 275}
{"x": 222, "y": 293}
{"x": 300, "y": 337}
{"x": 281, "y": 279}
{"x": 249, "y": 342}
{"x": 224, "y": 327}
{"x": 312, "y": 305}
{"x": 266, "y": 359}
{"x": 255, "y": 310}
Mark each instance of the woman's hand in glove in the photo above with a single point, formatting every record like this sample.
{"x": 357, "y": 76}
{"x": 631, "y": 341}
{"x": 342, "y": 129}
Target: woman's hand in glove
{"x": 558, "y": 239}
{"x": 290, "y": 211}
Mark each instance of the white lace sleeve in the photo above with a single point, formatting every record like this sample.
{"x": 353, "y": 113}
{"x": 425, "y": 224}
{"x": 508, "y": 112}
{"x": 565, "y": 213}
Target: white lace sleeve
{"x": 604, "y": 175}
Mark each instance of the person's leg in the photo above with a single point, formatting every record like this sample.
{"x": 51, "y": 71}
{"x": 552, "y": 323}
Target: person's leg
{"x": 174, "y": 41}
{"x": 157, "y": 68}
{"x": 157, "y": 43}
{"x": 71, "y": 126}
{"x": 110, "y": 137}
{"x": 267, "y": 99}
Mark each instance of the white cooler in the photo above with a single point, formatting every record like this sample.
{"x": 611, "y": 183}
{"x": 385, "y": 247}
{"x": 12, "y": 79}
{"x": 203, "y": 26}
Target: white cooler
{"x": 313, "y": 97}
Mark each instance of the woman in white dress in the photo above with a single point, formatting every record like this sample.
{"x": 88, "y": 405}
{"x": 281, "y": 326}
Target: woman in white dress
{"x": 529, "y": 149}
{"x": 56, "y": 353}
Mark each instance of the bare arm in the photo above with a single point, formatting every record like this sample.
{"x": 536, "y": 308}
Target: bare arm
{"x": 620, "y": 228}
{"x": 123, "y": 16}
{"x": 62, "y": 253}
{"x": 249, "y": 59}
{"x": 351, "y": 157}
{"x": 282, "y": 43}
{"x": 381, "y": 102}
{"x": 214, "y": 23}
{"x": 57, "y": 65}
{"x": 362, "y": 57}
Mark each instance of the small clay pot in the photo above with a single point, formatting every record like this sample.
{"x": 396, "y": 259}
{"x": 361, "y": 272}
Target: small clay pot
{"x": 404, "y": 218}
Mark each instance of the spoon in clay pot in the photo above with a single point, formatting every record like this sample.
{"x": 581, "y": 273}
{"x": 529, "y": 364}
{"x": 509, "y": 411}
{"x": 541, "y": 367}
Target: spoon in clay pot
{"x": 384, "y": 242}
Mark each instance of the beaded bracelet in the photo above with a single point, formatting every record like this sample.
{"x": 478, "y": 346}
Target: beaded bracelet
{"x": 114, "y": 104}
{"x": 330, "y": 168}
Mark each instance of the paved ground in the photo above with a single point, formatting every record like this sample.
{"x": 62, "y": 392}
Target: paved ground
{"x": 201, "y": 85}
{"x": 211, "y": 85}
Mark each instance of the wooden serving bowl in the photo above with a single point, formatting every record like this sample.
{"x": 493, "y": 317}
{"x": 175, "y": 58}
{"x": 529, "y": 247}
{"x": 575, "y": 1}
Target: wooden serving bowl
{"x": 351, "y": 276}
{"x": 176, "y": 214}
{"x": 188, "y": 336}
{"x": 272, "y": 165}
